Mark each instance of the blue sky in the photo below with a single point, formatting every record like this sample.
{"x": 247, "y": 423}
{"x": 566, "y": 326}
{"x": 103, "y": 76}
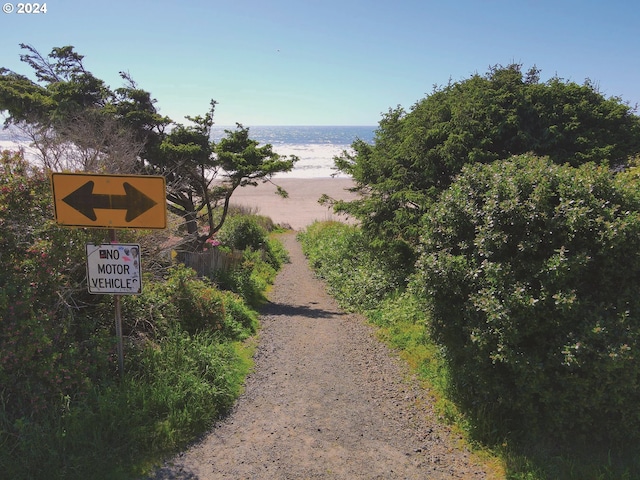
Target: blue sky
{"x": 328, "y": 62}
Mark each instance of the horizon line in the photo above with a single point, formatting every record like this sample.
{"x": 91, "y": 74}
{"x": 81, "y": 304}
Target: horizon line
{"x": 296, "y": 125}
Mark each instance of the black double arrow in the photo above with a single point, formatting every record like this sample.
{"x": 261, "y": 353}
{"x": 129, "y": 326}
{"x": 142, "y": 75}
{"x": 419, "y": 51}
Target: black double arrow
{"x": 86, "y": 202}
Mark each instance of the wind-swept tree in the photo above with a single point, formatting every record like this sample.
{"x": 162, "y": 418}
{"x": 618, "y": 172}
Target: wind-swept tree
{"x": 78, "y": 122}
{"x": 74, "y": 120}
{"x": 202, "y": 176}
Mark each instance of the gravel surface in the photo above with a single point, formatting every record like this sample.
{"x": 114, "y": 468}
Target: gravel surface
{"x": 326, "y": 400}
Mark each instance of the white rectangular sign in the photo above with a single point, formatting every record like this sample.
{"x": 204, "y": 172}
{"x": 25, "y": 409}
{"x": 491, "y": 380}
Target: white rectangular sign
{"x": 114, "y": 268}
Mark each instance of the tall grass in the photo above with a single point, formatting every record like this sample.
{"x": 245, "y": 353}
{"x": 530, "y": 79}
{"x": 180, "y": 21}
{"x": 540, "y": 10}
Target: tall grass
{"x": 179, "y": 386}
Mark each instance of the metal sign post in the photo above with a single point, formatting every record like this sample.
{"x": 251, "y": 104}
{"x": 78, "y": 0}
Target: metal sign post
{"x": 118, "y": 318}
{"x": 114, "y": 268}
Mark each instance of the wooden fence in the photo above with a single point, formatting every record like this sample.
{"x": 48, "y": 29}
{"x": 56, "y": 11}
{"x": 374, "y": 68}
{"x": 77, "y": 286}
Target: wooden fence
{"x": 206, "y": 263}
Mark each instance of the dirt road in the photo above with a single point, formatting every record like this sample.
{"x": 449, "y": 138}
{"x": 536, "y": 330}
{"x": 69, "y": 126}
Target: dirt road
{"x": 327, "y": 400}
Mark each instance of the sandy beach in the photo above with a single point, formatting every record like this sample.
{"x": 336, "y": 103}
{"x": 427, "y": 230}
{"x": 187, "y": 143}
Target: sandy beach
{"x": 301, "y": 208}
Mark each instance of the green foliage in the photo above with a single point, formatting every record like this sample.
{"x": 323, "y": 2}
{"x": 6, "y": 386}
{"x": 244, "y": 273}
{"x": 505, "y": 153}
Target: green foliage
{"x": 262, "y": 257}
{"x": 481, "y": 119}
{"x": 251, "y": 232}
{"x": 174, "y": 389}
{"x": 240, "y": 319}
{"x": 181, "y": 383}
{"x": 45, "y": 352}
{"x": 241, "y": 232}
{"x": 245, "y": 161}
{"x": 64, "y": 413}
{"x": 199, "y": 305}
{"x": 184, "y": 301}
{"x": 64, "y": 92}
{"x": 275, "y": 253}
{"x": 249, "y": 279}
{"x": 404, "y": 322}
{"x": 530, "y": 272}
{"x": 357, "y": 277}
{"x": 191, "y": 161}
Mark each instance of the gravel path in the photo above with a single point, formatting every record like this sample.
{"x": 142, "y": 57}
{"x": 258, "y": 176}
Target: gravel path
{"x": 327, "y": 400}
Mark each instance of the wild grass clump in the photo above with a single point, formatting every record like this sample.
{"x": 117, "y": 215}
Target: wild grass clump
{"x": 357, "y": 277}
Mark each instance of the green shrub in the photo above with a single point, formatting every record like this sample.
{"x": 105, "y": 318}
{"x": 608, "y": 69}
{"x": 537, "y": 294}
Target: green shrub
{"x": 199, "y": 305}
{"x": 49, "y": 348}
{"x": 531, "y": 272}
{"x": 153, "y": 311}
{"x": 275, "y": 253}
{"x": 249, "y": 279}
{"x": 240, "y": 320}
{"x": 357, "y": 276}
{"x": 248, "y": 232}
{"x": 241, "y": 232}
{"x": 187, "y": 302}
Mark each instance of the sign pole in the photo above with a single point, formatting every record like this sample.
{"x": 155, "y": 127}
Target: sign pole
{"x": 118, "y": 318}
{"x": 119, "y": 335}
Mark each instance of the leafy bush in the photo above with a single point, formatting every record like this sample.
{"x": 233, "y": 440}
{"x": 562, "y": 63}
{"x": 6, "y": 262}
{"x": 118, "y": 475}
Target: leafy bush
{"x": 249, "y": 279}
{"x": 189, "y": 303}
{"x": 531, "y": 272}
{"x": 199, "y": 305}
{"x": 507, "y": 111}
{"x": 357, "y": 277}
{"x": 241, "y": 232}
{"x": 49, "y": 350}
{"x": 250, "y": 232}
{"x": 275, "y": 253}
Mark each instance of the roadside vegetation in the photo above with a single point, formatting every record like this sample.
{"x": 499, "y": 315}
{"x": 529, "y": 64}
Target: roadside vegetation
{"x": 497, "y": 249}
{"x": 65, "y": 411}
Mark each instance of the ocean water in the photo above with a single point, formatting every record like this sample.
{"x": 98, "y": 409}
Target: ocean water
{"x": 315, "y": 146}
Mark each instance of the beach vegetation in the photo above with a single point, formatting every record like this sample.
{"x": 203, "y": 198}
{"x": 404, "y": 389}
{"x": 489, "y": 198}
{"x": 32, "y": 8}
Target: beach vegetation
{"x": 529, "y": 273}
{"x": 417, "y": 154}
{"x": 515, "y": 205}
{"x": 65, "y": 409}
